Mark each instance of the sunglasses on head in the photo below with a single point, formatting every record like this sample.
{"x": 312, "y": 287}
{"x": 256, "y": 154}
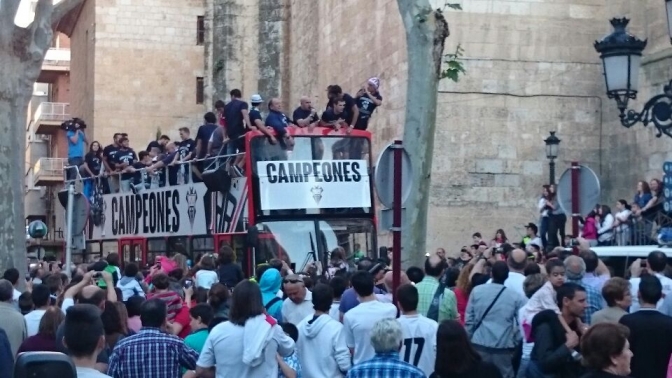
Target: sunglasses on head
{"x": 291, "y": 281}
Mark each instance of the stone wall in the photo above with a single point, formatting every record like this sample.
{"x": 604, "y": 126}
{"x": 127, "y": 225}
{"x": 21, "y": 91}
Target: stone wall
{"x": 82, "y": 61}
{"x": 531, "y": 70}
{"x": 144, "y": 70}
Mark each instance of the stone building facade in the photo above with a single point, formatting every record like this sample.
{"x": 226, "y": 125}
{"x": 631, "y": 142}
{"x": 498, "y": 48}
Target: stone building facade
{"x": 531, "y": 69}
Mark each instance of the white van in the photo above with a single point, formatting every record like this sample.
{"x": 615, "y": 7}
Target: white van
{"x": 619, "y": 258}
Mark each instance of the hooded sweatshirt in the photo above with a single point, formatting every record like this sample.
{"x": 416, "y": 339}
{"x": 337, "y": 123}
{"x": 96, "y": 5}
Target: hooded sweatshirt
{"x": 261, "y": 339}
{"x": 129, "y": 287}
{"x": 322, "y": 349}
{"x": 269, "y": 284}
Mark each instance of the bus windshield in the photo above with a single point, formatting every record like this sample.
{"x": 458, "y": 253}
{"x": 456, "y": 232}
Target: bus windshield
{"x": 305, "y": 241}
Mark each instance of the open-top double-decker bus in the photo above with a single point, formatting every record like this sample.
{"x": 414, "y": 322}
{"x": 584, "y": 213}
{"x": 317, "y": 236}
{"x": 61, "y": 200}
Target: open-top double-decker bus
{"x": 298, "y": 200}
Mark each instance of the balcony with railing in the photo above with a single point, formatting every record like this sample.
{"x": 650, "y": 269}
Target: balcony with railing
{"x": 56, "y": 62}
{"x": 49, "y": 116}
{"x": 49, "y": 171}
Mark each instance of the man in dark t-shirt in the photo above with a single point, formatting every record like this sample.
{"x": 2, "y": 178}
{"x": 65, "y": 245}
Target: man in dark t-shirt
{"x": 335, "y": 116}
{"x": 203, "y": 136}
{"x": 125, "y": 157}
{"x": 111, "y": 185}
{"x": 237, "y": 123}
{"x": 158, "y": 146}
{"x": 368, "y": 99}
{"x": 305, "y": 115}
{"x": 335, "y": 93}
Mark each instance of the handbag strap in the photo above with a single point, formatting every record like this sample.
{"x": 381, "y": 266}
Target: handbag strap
{"x": 487, "y": 310}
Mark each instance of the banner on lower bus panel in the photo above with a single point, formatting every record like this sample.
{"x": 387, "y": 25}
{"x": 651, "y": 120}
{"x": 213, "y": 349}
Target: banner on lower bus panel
{"x": 169, "y": 211}
{"x": 305, "y": 184}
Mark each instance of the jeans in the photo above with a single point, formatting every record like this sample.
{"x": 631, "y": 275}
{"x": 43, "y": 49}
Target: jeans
{"x": 71, "y": 173}
{"x": 556, "y": 226}
{"x": 543, "y": 230}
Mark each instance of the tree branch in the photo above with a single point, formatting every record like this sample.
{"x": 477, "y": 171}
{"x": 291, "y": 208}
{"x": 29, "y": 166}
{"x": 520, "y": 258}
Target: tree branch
{"x": 8, "y": 9}
{"x": 40, "y": 29}
{"x": 63, "y": 8}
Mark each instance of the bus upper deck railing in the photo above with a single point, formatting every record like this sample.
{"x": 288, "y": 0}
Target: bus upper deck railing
{"x": 179, "y": 173}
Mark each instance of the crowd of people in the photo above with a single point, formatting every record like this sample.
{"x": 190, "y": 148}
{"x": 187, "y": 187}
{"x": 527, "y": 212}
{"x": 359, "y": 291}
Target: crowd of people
{"x": 636, "y": 222}
{"x": 499, "y": 312}
{"x": 117, "y": 167}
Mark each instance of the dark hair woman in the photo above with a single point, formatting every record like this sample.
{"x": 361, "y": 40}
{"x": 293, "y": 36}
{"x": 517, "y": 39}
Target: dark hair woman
{"x": 499, "y": 239}
{"x": 606, "y": 351}
{"x": 655, "y": 204}
{"x": 248, "y": 344}
{"x": 605, "y": 232}
{"x": 545, "y": 207}
{"x": 643, "y": 195}
{"x": 230, "y": 273}
{"x": 456, "y": 357}
{"x": 114, "y": 329}
{"x": 92, "y": 168}
{"x": 45, "y": 339}
{"x": 219, "y": 298}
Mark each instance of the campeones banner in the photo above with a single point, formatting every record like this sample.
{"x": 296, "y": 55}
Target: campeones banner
{"x": 306, "y": 184}
{"x": 170, "y": 211}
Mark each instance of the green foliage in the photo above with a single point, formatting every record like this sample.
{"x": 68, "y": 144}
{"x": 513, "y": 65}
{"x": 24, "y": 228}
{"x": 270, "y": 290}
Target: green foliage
{"x": 158, "y": 133}
{"x": 454, "y": 66}
{"x": 219, "y": 66}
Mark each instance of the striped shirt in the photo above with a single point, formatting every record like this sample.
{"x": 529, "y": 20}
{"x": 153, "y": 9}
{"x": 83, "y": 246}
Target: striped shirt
{"x": 171, "y": 299}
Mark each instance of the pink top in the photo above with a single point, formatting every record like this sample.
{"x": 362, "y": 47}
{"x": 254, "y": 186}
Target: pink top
{"x": 134, "y": 324}
{"x": 589, "y": 229}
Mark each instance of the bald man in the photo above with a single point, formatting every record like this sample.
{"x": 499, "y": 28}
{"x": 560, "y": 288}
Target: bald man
{"x": 305, "y": 115}
{"x": 388, "y": 281}
{"x": 427, "y": 290}
{"x": 517, "y": 261}
{"x": 575, "y": 270}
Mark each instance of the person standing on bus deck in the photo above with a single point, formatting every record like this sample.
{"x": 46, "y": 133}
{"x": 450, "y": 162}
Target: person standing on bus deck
{"x": 305, "y": 115}
{"x": 237, "y": 119}
{"x": 335, "y": 93}
{"x": 368, "y": 99}
{"x": 202, "y": 138}
{"x": 336, "y": 116}
{"x": 278, "y": 120}
{"x": 256, "y": 121}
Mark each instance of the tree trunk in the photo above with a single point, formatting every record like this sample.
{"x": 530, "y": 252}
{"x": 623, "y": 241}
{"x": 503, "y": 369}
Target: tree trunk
{"x": 22, "y": 51}
{"x": 426, "y": 32}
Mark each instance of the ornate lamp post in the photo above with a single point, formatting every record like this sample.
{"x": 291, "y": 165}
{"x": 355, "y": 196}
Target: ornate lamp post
{"x": 621, "y": 55}
{"x": 552, "y": 144}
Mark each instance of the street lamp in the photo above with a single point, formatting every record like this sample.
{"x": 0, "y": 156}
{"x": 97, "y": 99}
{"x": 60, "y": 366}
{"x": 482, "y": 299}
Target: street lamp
{"x": 552, "y": 144}
{"x": 621, "y": 55}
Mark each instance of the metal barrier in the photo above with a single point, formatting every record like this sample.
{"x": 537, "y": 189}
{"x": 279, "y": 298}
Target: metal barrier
{"x": 179, "y": 173}
{"x": 639, "y": 231}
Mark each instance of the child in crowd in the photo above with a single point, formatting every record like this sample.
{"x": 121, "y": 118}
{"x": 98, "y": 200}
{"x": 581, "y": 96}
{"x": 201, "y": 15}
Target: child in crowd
{"x": 206, "y": 275}
{"x": 289, "y": 367}
{"x": 545, "y": 298}
{"x": 162, "y": 291}
{"x": 201, "y": 315}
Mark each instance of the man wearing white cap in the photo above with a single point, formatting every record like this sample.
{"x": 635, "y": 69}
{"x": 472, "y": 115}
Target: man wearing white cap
{"x": 368, "y": 98}
{"x": 256, "y": 121}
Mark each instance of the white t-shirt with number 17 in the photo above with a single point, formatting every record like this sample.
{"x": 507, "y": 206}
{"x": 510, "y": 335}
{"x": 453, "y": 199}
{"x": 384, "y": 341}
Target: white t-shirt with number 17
{"x": 419, "y": 345}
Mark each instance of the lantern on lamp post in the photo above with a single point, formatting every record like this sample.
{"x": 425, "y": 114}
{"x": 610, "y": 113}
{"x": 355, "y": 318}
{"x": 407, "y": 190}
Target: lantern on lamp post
{"x": 552, "y": 144}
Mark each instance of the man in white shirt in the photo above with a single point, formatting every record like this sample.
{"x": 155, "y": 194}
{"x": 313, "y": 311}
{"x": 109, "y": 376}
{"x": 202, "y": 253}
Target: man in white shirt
{"x": 419, "y": 345}
{"x": 516, "y": 262}
{"x": 41, "y": 296}
{"x": 299, "y": 302}
{"x": 656, "y": 263}
{"x": 322, "y": 349}
{"x": 12, "y": 275}
{"x": 358, "y": 322}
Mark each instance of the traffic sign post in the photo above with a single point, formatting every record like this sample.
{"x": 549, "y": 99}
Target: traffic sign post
{"x": 578, "y": 192}
{"x": 393, "y": 183}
